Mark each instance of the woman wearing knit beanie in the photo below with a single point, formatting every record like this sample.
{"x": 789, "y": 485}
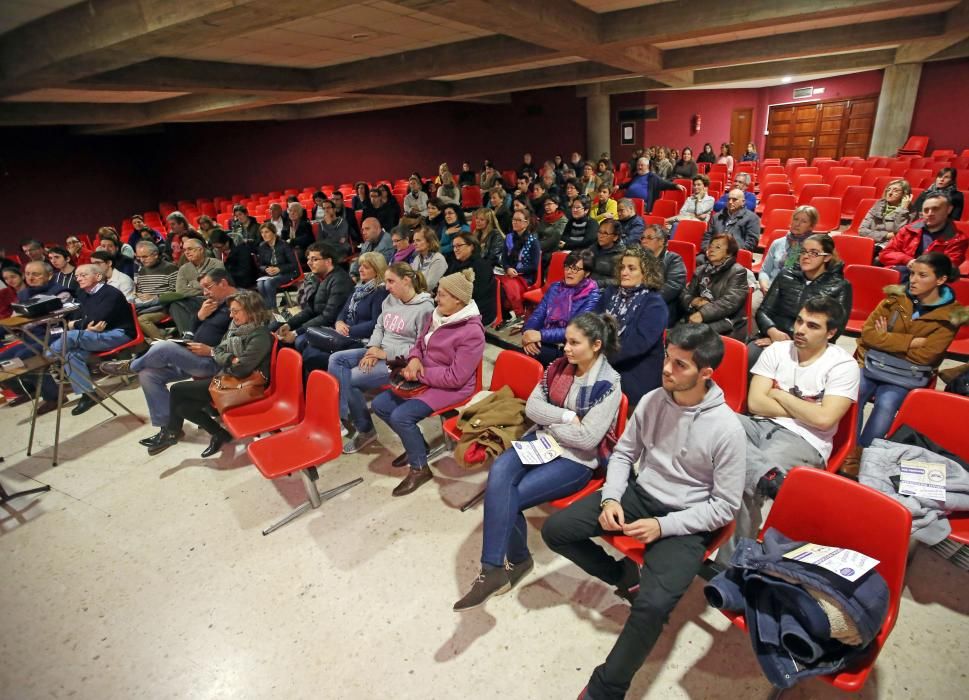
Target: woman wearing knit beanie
{"x": 445, "y": 359}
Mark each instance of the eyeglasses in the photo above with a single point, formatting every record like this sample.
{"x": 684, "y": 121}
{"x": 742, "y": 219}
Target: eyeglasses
{"x": 574, "y": 268}
{"x": 460, "y": 245}
{"x": 813, "y": 254}
{"x": 651, "y": 238}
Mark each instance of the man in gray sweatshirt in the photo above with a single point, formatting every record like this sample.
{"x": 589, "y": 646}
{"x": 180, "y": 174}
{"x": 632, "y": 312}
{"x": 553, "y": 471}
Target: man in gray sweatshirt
{"x": 689, "y": 451}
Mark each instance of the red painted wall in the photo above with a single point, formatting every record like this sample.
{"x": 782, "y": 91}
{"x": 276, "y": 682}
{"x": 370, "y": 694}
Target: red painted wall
{"x": 677, "y": 107}
{"x": 942, "y": 105}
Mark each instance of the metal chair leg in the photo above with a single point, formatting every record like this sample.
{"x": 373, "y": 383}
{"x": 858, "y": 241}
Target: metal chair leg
{"x": 470, "y": 504}
{"x": 313, "y": 497}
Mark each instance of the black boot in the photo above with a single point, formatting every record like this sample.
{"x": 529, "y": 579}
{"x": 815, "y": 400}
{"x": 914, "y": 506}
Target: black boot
{"x": 216, "y": 443}
{"x": 153, "y": 440}
{"x": 166, "y": 438}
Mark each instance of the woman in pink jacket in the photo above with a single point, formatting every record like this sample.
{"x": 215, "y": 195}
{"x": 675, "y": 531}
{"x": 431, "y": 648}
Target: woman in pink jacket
{"x": 445, "y": 359}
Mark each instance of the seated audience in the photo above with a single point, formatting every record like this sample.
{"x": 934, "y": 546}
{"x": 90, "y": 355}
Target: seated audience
{"x": 403, "y": 315}
{"x": 549, "y": 230}
{"x": 238, "y": 258}
{"x": 685, "y": 166}
{"x": 334, "y": 231}
{"x": 245, "y": 349}
{"x": 427, "y": 257}
{"x": 640, "y": 311}
{"x": 736, "y": 220}
{"x": 188, "y": 286}
{"x": 819, "y": 272}
{"x": 605, "y": 206}
{"x": 109, "y": 244}
{"x": 299, "y": 231}
{"x": 607, "y": 250}
{"x": 946, "y": 184}
{"x": 316, "y": 211}
{"x": 467, "y": 176}
{"x": 277, "y": 265}
{"x": 915, "y": 323}
{"x": 167, "y": 362}
{"x": 605, "y": 173}
{"x": 454, "y": 223}
{"x": 60, "y": 259}
{"x": 674, "y": 478}
{"x": 707, "y": 155}
{"x": 646, "y": 185}
{"x": 402, "y": 239}
{"x": 580, "y": 231}
{"x": 467, "y": 256}
{"x": 576, "y": 403}
{"x": 104, "y": 261}
{"x": 588, "y": 183}
{"x": 785, "y": 252}
{"x": 382, "y": 207}
{"x": 674, "y": 269}
{"x": 490, "y": 237}
{"x": 717, "y": 294}
{"x": 277, "y": 218}
{"x": 448, "y": 191}
{"x": 520, "y": 259}
{"x": 725, "y": 158}
{"x": 933, "y": 232}
{"x": 571, "y": 195}
{"x": 156, "y": 280}
{"x": 246, "y": 227}
{"x": 80, "y": 255}
{"x": 661, "y": 164}
{"x": 361, "y": 195}
{"x": 543, "y": 336}
{"x": 889, "y": 214}
{"x": 698, "y": 206}
{"x": 741, "y": 181}
{"x": 330, "y": 288}
{"x": 630, "y": 223}
{"x": 375, "y": 239}
{"x": 104, "y": 322}
{"x": 341, "y": 211}
{"x": 750, "y": 155}
{"x": 415, "y": 201}
{"x": 490, "y": 177}
{"x": 799, "y": 391}
{"x": 445, "y": 359}
{"x": 143, "y": 232}
{"x": 356, "y": 319}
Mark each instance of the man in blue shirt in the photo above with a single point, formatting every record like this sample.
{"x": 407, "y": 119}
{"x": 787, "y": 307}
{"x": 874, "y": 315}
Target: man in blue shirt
{"x": 741, "y": 181}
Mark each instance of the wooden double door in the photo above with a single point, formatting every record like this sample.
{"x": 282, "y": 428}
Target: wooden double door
{"x": 830, "y": 129}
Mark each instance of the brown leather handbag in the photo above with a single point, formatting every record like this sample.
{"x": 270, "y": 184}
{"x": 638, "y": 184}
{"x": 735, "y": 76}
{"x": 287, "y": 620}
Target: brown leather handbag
{"x": 228, "y": 391}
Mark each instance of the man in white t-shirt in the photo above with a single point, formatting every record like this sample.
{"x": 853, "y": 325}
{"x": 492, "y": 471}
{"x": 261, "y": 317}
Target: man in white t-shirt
{"x": 799, "y": 391}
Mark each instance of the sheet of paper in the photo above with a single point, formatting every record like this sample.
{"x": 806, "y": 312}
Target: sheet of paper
{"x": 542, "y": 449}
{"x": 846, "y": 563}
{"x": 922, "y": 479}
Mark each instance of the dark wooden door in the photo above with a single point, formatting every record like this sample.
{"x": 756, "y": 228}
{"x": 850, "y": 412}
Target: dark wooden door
{"x": 830, "y": 129}
{"x": 740, "y": 129}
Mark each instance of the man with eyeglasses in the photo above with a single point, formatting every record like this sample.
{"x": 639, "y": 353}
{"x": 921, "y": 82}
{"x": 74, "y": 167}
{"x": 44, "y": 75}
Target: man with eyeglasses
{"x": 674, "y": 269}
{"x": 104, "y": 262}
{"x": 741, "y": 181}
{"x": 188, "y": 285}
{"x": 737, "y": 220}
{"x": 326, "y": 291}
{"x": 156, "y": 277}
{"x": 80, "y": 255}
{"x": 631, "y": 225}
{"x": 167, "y": 361}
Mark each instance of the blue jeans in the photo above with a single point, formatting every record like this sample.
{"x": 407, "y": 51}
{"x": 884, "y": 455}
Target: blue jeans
{"x": 268, "y": 286}
{"x": 514, "y": 487}
{"x": 164, "y": 363}
{"x": 80, "y": 345}
{"x": 403, "y": 416}
{"x": 353, "y": 380}
{"x": 888, "y": 399}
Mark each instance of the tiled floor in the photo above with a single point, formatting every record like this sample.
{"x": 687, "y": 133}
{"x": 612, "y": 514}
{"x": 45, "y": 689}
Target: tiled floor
{"x": 139, "y": 577}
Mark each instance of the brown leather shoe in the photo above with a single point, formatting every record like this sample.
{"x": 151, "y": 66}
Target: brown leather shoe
{"x": 413, "y": 481}
{"x": 46, "y": 407}
{"x": 852, "y": 464}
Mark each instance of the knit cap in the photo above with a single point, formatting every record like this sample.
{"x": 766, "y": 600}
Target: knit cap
{"x": 459, "y": 285}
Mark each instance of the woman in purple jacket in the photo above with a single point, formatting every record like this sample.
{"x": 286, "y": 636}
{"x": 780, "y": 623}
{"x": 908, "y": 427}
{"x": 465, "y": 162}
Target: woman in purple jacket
{"x": 445, "y": 359}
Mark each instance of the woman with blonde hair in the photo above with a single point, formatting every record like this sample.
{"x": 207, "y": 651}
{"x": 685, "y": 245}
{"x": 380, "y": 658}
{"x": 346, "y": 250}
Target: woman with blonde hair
{"x": 889, "y": 214}
{"x": 488, "y": 233}
{"x": 427, "y": 257}
{"x": 448, "y": 190}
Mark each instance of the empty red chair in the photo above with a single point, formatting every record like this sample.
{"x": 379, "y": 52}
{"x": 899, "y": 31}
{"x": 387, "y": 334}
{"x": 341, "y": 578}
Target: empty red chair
{"x": 867, "y": 291}
{"x": 470, "y": 197}
{"x": 650, "y": 219}
{"x": 280, "y": 408}
{"x": 315, "y": 441}
{"x": 792, "y": 164}
{"x": 843, "y": 182}
{"x": 691, "y": 231}
{"x": 916, "y": 176}
{"x": 556, "y": 273}
{"x": 854, "y": 250}
{"x": 677, "y": 196}
{"x": 800, "y": 180}
{"x": 829, "y": 213}
{"x": 745, "y": 258}
{"x": 872, "y": 174}
{"x": 665, "y": 208}
{"x": 769, "y": 188}
{"x": 859, "y": 167}
{"x": 861, "y": 211}
{"x": 639, "y": 205}
{"x": 768, "y": 169}
{"x": 805, "y": 170}
{"x": 915, "y": 145}
{"x": 816, "y": 506}
{"x": 732, "y": 374}
{"x": 836, "y": 172}
{"x": 687, "y": 251}
{"x": 852, "y": 196}
{"x": 920, "y": 411}
{"x": 811, "y": 191}
{"x": 778, "y": 218}
{"x": 778, "y": 201}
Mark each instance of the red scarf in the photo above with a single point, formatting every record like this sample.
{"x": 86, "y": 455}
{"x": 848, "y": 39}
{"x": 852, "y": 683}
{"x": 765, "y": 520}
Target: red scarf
{"x": 553, "y": 217}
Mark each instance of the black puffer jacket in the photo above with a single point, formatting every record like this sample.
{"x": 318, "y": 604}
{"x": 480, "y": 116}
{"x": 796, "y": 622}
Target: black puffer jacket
{"x": 790, "y": 290}
{"x": 604, "y": 268}
{"x": 323, "y": 307}
{"x": 727, "y": 311}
